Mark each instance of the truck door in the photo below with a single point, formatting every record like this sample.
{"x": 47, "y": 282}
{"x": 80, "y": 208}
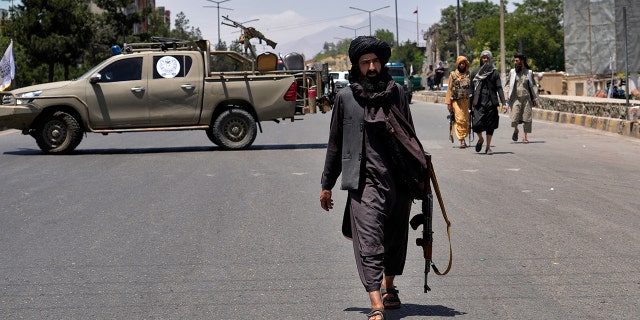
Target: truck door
{"x": 175, "y": 88}
{"x": 119, "y": 98}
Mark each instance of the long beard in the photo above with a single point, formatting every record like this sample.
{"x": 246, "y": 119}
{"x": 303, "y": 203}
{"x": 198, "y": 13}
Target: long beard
{"x": 518, "y": 68}
{"x": 373, "y": 84}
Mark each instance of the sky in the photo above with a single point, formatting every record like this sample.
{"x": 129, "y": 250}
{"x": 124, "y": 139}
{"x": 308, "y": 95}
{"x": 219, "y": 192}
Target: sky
{"x": 304, "y": 26}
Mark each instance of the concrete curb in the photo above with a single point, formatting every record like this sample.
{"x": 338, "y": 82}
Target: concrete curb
{"x": 619, "y": 126}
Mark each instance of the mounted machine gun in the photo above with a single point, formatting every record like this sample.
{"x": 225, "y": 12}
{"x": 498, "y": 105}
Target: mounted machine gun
{"x": 248, "y": 33}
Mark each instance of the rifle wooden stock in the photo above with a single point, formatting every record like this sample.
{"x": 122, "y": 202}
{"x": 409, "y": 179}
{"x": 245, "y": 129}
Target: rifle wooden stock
{"x": 452, "y": 120}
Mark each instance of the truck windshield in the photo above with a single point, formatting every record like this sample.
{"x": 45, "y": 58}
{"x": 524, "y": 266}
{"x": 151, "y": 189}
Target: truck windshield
{"x": 396, "y": 72}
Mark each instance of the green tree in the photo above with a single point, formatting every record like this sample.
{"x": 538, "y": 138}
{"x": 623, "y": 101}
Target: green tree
{"x": 182, "y": 30}
{"x": 328, "y": 47}
{"x": 236, "y": 46}
{"x": 535, "y": 28}
{"x": 470, "y": 12}
{"x": 487, "y": 38}
{"x": 408, "y": 54}
{"x": 116, "y": 13}
{"x": 52, "y": 32}
{"x": 157, "y": 27}
{"x": 386, "y": 36}
{"x": 105, "y": 35}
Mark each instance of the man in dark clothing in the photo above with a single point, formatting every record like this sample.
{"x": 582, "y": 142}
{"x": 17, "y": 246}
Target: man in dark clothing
{"x": 487, "y": 95}
{"x": 430, "y": 75}
{"x": 368, "y": 117}
{"x": 439, "y": 74}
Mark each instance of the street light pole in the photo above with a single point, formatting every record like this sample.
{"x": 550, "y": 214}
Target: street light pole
{"x": 503, "y": 63}
{"x": 218, "y": 6}
{"x": 354, "y": 30}
{"x": 369, "y": 11}
{"x": 458, "y": 32}
{"x": 397, "y": 32}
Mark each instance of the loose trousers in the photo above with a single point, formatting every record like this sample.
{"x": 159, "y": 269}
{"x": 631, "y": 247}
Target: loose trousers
{"x": 380, "y": 231}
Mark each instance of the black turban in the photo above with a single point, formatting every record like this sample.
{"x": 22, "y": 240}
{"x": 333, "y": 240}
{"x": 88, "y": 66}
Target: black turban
{"x": 522, "y": 57}
{"x": 367, "y": 44}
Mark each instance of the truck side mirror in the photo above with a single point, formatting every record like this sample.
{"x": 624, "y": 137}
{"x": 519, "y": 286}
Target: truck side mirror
{"x": 96, "y": 78}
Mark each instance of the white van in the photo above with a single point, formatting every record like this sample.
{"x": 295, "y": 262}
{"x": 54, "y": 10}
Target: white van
{"x": 340, "y": 79}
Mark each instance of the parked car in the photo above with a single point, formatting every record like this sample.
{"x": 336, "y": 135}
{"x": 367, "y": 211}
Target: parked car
{"x": 340, "y": 79}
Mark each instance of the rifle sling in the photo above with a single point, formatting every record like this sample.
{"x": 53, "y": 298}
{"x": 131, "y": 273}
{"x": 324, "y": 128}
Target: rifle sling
{"x": 432, "y": 173}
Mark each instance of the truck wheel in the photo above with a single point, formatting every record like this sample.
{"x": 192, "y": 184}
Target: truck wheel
{"x": 212, "y": 137}
{"x": 234, "y": 129}
{"x": 59, "y": 133}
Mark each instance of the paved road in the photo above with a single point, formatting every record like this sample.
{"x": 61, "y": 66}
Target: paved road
{"x": 166, "y": 226}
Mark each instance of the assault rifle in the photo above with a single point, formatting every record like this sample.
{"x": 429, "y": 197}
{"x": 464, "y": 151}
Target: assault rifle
{"x": 249, "y": 33}
{"x": 452, "y": 121}
{"x": 425, "y": 219}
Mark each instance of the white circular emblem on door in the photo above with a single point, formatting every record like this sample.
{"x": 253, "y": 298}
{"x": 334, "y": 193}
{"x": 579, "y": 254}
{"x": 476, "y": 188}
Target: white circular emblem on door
{"x": 168, "y": 67}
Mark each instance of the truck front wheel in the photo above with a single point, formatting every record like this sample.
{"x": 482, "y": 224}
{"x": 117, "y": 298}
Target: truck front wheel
{"x": 58, "y": 133}
{"x": 233, "y": 129}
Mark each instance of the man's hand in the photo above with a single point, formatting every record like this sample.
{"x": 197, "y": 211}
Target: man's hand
{"x": 325, "y": 200}
{"x": 450, "y": 107}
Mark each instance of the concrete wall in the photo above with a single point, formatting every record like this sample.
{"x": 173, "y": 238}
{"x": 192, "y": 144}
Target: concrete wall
{"x": 611, "y": 115}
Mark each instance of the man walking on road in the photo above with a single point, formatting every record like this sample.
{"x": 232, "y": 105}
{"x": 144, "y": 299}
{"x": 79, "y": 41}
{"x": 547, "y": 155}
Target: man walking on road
{"x": 457, "y": 98}
{"x": 522, "y": 96}
{"x": 370, "y": 126}
{"x": 487, "y": 95}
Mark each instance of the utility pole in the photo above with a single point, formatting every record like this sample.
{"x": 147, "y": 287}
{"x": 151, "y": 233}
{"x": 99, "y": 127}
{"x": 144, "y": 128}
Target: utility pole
{"x": 503, "y": 64}
{"x": 218, "y": 6}
{"x": 626, "y": 56}
{"x": 417, "y": 32}
{"x": 397, "y": 33}
{"x": 458, "y": 32}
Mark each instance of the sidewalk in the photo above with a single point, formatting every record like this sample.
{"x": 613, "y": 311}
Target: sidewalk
{"x": 596, "y": 113}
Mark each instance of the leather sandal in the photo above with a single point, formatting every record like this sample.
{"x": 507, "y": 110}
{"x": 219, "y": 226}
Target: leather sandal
{"x": 376, "y": 312}
{"x": 390, "y": 298}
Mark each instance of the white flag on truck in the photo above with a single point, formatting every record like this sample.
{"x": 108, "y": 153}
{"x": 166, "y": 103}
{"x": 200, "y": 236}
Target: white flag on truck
{"x": 7, "y": 67}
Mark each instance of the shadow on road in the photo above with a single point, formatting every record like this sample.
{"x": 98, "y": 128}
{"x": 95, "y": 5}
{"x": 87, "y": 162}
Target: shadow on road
{"x": 530, "y": 142}
{"x": 30, "y": 152}
{"x": 414, "y": 310}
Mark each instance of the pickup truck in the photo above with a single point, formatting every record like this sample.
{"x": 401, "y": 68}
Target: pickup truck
{"x": 163, "y": 86}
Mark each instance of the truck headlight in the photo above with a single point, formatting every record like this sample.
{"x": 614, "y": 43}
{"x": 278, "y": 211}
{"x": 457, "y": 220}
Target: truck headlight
{"x": 24, "y": 98}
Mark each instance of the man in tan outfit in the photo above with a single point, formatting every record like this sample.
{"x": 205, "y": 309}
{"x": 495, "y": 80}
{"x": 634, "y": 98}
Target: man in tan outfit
{"x": 522, "y": 96}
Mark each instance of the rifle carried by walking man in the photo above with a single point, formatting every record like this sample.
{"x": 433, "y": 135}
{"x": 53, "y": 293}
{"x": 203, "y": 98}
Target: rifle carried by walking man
{"x": 425, "y": 219}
